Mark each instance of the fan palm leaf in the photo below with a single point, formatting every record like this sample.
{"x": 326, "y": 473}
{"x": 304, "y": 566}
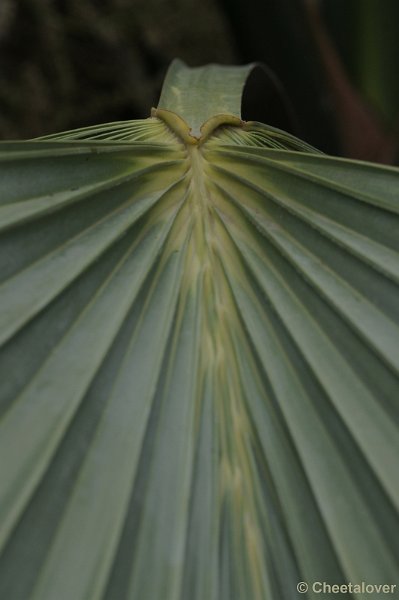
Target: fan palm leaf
{"x": 199, "y": 362}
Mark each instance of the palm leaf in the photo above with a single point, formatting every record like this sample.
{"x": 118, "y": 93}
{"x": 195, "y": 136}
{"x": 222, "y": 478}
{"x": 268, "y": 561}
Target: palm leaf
{"x": 199, "y": 359}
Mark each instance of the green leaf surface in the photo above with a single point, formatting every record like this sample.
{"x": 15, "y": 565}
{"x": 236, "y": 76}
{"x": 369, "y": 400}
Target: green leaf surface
{"x": 199, "y": 366}
{"x": 199, "y": 94}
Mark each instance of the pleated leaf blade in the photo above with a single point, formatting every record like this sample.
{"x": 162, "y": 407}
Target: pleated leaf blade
{"x": 199, "y": 366}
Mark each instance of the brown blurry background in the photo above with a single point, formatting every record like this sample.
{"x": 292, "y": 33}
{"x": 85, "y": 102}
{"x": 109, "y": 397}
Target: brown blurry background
{"x": 70, "y": 63}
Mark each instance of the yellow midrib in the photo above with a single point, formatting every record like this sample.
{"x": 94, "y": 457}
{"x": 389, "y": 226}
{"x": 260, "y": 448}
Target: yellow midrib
{"x": 210, "y": 250}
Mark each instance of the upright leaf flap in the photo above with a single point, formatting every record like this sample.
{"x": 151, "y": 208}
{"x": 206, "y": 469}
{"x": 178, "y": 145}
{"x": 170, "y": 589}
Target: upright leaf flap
{"x": 201, "y": 94}
{"x": 200, "y": 386}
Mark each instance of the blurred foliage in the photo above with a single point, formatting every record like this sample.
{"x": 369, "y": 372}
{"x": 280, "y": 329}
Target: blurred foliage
{"x": 66, "y": 63}
{"x": 366, "y": 36}
{"x": 277, "y": 33}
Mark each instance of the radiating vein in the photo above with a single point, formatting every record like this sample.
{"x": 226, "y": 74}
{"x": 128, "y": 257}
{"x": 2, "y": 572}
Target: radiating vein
{"x": 18, "y": 213}
{"x": 27, "y": 292}
{"x": 374, "y": 431}
{"x": 379, "y": 330}
{"x": 374, "y": 184}
{"x": 117, "y": 442}
{"x": 31, "y": 429}
{"x": 380, "y": 257}
{"x": 347, "y": 514}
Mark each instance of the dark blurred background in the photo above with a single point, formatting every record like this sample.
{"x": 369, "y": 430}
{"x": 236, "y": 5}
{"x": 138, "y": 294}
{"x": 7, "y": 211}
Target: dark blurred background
{"x": 70, "y": 63}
